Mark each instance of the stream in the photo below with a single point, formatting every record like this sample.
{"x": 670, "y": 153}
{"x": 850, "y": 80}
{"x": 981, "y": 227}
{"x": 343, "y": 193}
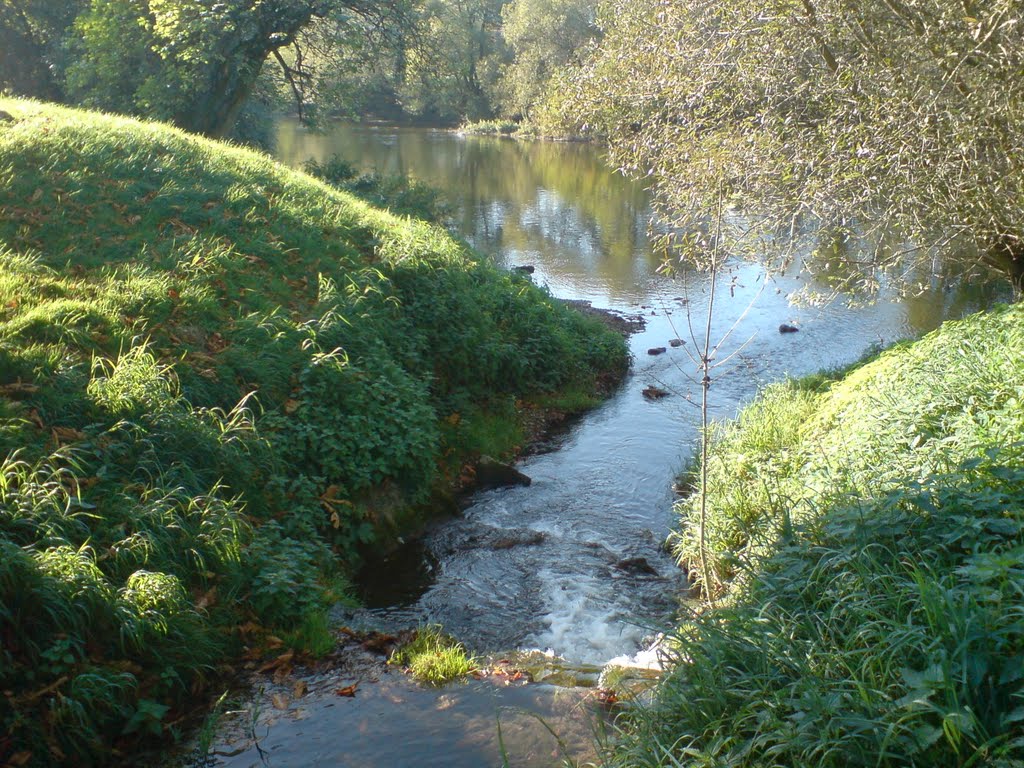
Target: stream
{"x": 573, "y": 565}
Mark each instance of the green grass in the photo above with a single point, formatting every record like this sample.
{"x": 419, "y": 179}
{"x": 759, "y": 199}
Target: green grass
{"x": 867, "y": 529}
{"x": 910, "y": 412}
{"x": 220, "y": 380}
{"x": 434, "y": 658}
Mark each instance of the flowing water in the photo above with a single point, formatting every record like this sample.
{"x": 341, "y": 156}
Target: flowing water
{"x": 554, "y": 566}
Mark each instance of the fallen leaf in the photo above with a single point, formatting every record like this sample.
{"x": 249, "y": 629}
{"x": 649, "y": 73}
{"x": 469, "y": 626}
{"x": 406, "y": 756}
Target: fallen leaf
{"x": 207, "y": 599}
{"x": 348, "y": 691}
{"x": 19, "y": 759}
{"x": 37, "y": 195}
{"x": 173, "y": 294}
{"x": 291, "y": 406}
{"x": 280, "y": 701}
{"x": 299, "y": 689}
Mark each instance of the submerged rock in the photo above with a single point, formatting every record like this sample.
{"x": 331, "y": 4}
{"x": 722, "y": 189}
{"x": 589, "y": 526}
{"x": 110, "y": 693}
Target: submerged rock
{"x": 787, "y": 328}
{"x": 491, "y": 473}
{"x": 655, "y": 393}
{"x": 527, "y": 269}
{"x": 510, "y": 539}
{"x": 636, "y": 566}
{"x": 676, "y": 342}
{"x": 657, "y": 351}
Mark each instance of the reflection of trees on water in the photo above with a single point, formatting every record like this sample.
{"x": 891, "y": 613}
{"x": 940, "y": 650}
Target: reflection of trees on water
{"x": 521, "y": 201}
{"x": 558, "y": 206}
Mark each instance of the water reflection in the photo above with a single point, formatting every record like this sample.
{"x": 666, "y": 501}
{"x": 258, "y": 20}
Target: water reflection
{"x": 552, "y": 205}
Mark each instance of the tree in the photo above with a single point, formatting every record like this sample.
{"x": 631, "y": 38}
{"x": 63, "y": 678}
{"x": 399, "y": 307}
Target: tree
{"x": 32, "y": 34}
{"x": 819, "y": 116}
{"x": 545, "y": 36}
{"x": 454, "y": 59}
{"x": 194, "y": 62}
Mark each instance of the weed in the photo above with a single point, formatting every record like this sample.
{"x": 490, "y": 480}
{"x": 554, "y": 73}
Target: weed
{"x": 433, "y": 657}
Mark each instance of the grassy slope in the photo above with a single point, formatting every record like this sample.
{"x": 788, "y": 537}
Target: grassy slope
{"x": 871, "y": 534}
{"x": 218, "y": 379}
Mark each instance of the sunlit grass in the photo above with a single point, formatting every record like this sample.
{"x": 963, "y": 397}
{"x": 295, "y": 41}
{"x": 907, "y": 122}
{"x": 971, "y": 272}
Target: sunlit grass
{"x": 213, "y": 369}
{"x": 434, "y": 658}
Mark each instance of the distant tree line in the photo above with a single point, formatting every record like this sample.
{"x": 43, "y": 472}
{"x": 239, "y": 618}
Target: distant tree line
{"x": 200, "y": 63}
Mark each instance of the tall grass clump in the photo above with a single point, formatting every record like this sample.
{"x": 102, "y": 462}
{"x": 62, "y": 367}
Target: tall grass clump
{"x": 433, "y": 657}
{"x": 220, "y": 381}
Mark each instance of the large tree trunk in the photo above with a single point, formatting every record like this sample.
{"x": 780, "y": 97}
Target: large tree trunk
{"x": 215, "y": 111}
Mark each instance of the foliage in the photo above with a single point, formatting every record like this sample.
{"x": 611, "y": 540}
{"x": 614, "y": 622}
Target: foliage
{"x": 887, "y": 632}
{"x": 490, "y": 127}
{"x": 433, "y": 657}
{"x": 914, "y": 411}
{"x": 32, "y": 35}
{"x": 449, "y": 75}
{"x": 868, "y": 527}
{"x": 875, "y": 123}
{"x": 219, "y": 380}
{"x": 192, "y": 62}
{"x": 401, "y": 195}
{"x": 546, "y": 36}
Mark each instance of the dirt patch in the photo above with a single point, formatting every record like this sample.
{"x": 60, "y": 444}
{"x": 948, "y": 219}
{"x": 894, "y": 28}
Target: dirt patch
{"x": 619, "y": 322}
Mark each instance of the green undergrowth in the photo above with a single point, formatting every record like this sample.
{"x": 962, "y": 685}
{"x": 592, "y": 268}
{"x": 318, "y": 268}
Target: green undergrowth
{"x": 510, "y": 128}
{"x": 220, "y": 380}
{"x": 866, "y": 531}
{"x": 491, "y": 128}
{"x": 916, "y": 410}
{"x": 434, "y": 658}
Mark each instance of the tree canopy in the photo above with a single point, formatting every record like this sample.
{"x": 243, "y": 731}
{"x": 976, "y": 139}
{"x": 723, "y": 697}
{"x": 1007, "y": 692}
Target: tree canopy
{"x": 823, "y": 114}
{"x": 194, "y": 62}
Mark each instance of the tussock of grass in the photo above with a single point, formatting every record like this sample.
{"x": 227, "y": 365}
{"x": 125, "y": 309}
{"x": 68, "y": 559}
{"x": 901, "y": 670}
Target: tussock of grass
{"x": 434, "y": 658}
{"x": 491, "y": 128}
{"x": 219, "y": 378}
{"x": 870, "y": 531}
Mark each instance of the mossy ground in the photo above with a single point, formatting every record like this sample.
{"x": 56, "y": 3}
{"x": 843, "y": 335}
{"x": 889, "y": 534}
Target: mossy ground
{"x": 866, "y": 533}
{"x": 220, "y": 379}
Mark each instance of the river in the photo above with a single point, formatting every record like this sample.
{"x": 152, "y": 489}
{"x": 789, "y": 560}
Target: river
{"x": 603, "y": 494}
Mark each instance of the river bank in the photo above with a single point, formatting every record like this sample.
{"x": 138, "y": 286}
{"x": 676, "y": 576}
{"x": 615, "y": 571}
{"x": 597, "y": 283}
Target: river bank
{"x": 220, "y": 381}
{"x": 864, "y": 541}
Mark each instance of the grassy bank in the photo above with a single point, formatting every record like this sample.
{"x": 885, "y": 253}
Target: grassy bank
{"x": 220, "y": 379}
{"x": 866, "y": 532}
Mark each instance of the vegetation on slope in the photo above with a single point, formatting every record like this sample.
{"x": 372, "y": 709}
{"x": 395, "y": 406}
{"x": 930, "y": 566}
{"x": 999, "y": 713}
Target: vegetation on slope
{"x": 219, "y": 378}
{"x": 871, "y": 529}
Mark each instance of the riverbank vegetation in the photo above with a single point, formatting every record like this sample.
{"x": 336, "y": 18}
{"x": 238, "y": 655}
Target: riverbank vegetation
{"x": 220, "y": 380}
{"x": 873, "y": 137}
{"x": 434, "y": 658}
{"x": 865, "y": 533}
